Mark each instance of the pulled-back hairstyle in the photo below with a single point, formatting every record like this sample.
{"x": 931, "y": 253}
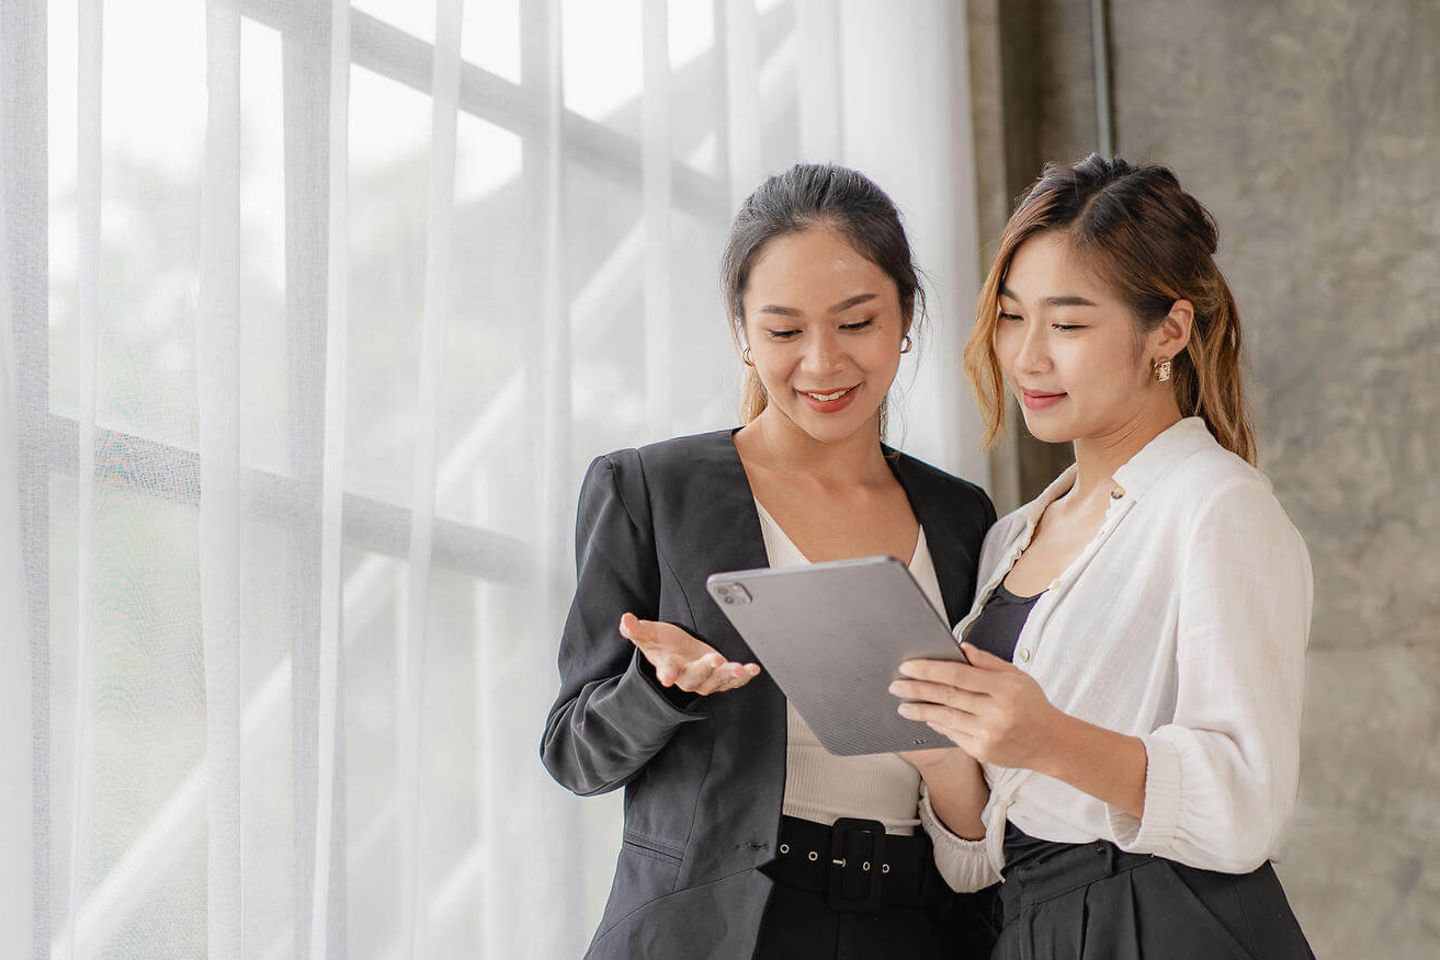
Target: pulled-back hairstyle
{"x": 816, "y": 195}
{"x": 1153, "y": 244}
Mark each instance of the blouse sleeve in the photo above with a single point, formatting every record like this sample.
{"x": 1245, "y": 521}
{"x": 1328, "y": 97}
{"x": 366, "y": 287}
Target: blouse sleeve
{"x": 965, "y": 864}
{"x": 1221, "y": 778}
{"x": 611, "y": 715}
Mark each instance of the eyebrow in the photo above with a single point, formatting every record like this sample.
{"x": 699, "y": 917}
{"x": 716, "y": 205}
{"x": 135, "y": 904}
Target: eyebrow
{"x": 854, "y": 301}
{"x": 1069, "y": 300}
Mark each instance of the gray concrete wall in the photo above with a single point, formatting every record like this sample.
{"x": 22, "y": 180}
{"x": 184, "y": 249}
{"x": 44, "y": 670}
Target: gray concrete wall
{"x": 1311, "y": 130}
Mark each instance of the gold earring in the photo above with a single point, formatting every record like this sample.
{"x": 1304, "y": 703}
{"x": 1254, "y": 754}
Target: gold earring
{"x": 745, "y": 356}
{"x": 1162, "y": 370}
{"x": 906, "y": 343}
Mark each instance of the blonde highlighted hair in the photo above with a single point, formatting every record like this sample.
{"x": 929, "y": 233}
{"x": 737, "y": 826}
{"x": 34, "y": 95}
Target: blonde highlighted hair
{"x": 1153, "y": 244}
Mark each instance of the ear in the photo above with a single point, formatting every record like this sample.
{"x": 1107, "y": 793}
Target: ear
{"x": 1172, "y": 336}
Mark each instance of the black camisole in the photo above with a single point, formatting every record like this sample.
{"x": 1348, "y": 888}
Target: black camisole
{"x": 997, "y": 630}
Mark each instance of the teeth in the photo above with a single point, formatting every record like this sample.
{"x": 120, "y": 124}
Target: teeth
{"x": 829, "y": 396}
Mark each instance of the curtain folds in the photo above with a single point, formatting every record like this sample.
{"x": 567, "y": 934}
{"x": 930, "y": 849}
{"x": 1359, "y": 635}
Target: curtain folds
{"x": 311, "y": 315}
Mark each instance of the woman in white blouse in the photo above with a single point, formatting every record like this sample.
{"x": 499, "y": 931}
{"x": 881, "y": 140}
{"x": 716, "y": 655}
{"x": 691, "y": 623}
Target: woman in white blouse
{"x": 1130, "y": 722}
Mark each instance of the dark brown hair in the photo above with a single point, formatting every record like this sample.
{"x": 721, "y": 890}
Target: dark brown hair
{"x": 814, "y": 195}
{"x": 1153, "y": 244}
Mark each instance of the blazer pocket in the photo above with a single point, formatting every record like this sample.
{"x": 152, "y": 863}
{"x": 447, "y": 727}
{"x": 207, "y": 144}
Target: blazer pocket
{"x": 645, "y": 872}
{"x": 654, "y": 849}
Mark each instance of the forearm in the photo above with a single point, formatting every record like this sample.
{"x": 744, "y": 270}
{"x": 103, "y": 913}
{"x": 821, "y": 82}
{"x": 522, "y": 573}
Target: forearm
{"x": 1109, "y": 766}
{"x": 601, "y": 738}
{"x": 958, "y": 794}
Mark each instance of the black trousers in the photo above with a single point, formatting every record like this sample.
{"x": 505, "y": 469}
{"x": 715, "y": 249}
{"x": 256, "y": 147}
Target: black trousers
{"x": 1095, "y": 901}
{"x": 925, "y": 920}
{"x": 800, "y": 925}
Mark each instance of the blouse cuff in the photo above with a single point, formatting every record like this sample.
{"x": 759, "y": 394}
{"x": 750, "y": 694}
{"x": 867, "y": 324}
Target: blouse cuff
{"x": 1155, "y": 831}
{"x": 964, "y": 864}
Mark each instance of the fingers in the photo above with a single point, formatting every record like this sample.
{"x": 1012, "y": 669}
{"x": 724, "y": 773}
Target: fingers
{"x": 933, "y": 713}
{"x": 642, "y": 633}
{"x": 957, "y": 725}
{"x": 657, "y": 637}
{"x": 966, "y": 700}
{"x": 683, "y": 661}
{"x": 985, "y": 660}
{"x": 728, "y": 676}
{"x": 696, "y": 672}
{"x": 712, "y": 673}
{"x": 950, "y": 673}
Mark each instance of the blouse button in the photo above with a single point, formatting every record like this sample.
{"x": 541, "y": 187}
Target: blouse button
{"x": 1117, "y": 493}
{"x": 1024, "y": 655}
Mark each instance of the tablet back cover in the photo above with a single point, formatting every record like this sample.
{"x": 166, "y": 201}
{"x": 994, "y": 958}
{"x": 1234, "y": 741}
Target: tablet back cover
{"x": 832, "y": 636}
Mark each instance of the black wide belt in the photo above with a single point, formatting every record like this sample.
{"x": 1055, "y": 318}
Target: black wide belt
{"x": 856, "y": 865}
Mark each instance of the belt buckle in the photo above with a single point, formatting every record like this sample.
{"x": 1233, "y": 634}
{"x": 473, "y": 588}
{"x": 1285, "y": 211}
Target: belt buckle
{"x": 872, "y": 867}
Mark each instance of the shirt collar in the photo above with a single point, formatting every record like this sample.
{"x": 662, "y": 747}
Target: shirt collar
{"x": 1168, "y": 448}
{"x": 1140, "y": 472}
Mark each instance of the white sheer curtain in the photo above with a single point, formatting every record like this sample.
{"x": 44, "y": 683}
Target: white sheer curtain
{"x": 311, "y": 315}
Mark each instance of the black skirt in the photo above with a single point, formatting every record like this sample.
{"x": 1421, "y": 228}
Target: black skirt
{"x": 1093, "y": 900}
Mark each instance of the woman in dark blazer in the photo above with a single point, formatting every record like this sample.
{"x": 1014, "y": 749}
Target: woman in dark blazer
{"x": 658, "y": 693}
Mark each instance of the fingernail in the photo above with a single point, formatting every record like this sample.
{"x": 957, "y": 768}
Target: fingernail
{"x": 905, "y": 710}
{"x": 906, "y": 669}
{"x": 895, "y": 688}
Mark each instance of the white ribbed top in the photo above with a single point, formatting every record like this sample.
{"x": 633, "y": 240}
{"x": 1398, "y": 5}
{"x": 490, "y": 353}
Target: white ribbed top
{"x": 820, "y": 786}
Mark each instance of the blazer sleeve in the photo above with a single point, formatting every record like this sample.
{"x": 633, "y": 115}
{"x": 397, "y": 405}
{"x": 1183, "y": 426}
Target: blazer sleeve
{"x": 611, "y": 715}
{"x": 1221, "y": 778}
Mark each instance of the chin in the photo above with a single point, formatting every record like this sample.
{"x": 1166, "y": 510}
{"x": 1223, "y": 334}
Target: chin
{"x": 1051, "y": 432}
{"x": 831, "y": 428}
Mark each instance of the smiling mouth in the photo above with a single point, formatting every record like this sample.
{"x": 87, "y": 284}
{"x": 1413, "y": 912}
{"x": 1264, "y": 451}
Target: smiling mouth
{"x": 827, "y": 397}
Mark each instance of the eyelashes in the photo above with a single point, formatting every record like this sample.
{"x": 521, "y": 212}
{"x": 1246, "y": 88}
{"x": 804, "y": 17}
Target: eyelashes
{"x": 1062, "y": 327}
{"x": 855, "y": 327}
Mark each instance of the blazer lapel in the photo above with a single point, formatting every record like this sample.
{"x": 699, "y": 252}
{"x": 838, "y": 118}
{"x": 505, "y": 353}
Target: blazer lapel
{"x": 721, "y": 516}
{"x": 954, "y": 565}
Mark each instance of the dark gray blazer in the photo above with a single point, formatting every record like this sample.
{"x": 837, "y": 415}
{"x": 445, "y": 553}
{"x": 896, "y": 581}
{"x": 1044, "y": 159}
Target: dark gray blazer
{"x": 704, "y": 777}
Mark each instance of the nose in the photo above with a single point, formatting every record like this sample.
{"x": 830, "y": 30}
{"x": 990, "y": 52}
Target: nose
{"x": 823, "y": 354}
{"x": 1033, "y": 355}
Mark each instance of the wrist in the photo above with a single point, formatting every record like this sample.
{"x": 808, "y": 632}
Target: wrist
{"x": 931, "y": 762}
{"x": 1056, "y": 746}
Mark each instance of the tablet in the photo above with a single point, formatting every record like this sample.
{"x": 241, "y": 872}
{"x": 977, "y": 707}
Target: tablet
{"x": 833, "y": 636}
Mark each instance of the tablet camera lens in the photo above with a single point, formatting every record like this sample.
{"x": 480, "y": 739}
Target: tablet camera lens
{"x": 731, "y": 593}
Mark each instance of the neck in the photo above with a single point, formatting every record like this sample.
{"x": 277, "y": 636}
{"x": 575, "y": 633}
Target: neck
{"x": 1098, "y": 457}
{"x": 854, "y": 459}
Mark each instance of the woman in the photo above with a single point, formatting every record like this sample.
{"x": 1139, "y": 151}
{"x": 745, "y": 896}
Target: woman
{"x": 736, "y": 819}
{"x": 1137, "y": 645}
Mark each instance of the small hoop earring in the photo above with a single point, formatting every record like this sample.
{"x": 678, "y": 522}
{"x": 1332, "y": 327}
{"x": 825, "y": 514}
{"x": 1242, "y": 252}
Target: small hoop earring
{"x": 745, "y": 356}
{"x": 1162, "y": 370}
{"x": 906, "y": 343}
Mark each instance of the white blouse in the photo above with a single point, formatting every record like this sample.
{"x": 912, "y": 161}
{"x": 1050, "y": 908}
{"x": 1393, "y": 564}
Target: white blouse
{"x": 820, "y": 786}
{"x": 1184, "y": 623}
